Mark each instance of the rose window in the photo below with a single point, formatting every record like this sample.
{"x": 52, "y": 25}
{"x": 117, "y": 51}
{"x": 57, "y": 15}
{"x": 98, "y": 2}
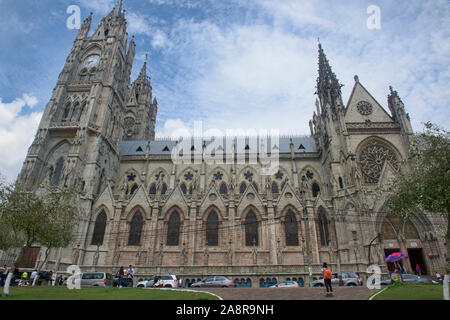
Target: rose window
{"x": 372, "y": 159}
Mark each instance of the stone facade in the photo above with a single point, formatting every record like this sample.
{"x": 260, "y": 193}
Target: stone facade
{"x": 141, "y": 208}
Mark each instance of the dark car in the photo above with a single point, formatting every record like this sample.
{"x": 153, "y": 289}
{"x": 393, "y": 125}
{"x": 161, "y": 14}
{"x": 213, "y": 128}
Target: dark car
{"x": 215, "y": 281}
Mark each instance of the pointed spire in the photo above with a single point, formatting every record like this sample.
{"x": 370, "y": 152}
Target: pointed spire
{"x": 86, "y": 26}
{"x": 328, "y": 86}
{"x": 119, "y": 8}
{"x": 143, "y": 74}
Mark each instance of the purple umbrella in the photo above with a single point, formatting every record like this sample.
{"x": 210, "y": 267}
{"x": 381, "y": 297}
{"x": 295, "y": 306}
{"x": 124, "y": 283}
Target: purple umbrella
{"x": 396, "y": 256}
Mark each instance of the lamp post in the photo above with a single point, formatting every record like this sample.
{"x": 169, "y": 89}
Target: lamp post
{"x": 370, "y": 245}
{"x": 302, "y": 193}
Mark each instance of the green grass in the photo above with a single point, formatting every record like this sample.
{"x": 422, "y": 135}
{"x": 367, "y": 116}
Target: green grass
{"x": 85, "y": 293}
{"x": 412, "y": 291}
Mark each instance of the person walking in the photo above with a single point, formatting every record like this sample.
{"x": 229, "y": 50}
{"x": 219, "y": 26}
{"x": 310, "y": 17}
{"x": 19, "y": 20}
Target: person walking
{"x": 327, "y": 276}
{"x": 120, "y": 275}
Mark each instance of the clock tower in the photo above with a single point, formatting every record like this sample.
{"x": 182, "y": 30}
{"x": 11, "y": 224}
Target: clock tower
{"x": 78, "y": 139}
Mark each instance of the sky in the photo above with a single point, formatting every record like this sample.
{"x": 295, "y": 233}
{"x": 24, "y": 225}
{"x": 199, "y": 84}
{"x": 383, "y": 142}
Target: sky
{"x": 232, "y": 64}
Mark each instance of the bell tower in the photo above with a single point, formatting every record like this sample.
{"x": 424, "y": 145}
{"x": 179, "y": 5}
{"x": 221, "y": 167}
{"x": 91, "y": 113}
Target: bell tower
{"x": 79, "y": 136}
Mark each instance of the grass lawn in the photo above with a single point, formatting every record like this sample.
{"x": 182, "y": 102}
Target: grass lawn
{"x": 85, "y": 293}
{"x": 412, "y": 291}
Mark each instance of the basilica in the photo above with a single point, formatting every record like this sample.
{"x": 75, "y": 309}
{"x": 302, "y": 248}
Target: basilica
{"x": 229, "y": 216}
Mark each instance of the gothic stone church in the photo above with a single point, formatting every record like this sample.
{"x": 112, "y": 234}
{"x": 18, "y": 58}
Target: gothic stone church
{"x": 141, "y": 208}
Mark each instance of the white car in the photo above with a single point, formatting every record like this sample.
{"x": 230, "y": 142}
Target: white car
{"x": 143, "y": 283}
{"x": 286, "y": 284}
{"x": 169, "y": 281}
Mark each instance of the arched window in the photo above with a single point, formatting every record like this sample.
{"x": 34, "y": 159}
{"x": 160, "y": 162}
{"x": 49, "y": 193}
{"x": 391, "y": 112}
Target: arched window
{"x": 223, "y": 188}
{"x": 66, "y": 112}
{"x": 76, "y": 112}
{"x": 58, "y": 170}
{"x": 251, "y": 229}
{"x": 134, "y": 238}
{"x": 212, "y": 229}
{"x": 341, "y": 183}
{"x": 183, "y": 188}
{"x": 291, "y": 229}
{"x": 164, "y": 188}
{"x": 133, "y": 189}
{"x": 173, "y": 229}
{"x": 99, "y": 229}
{"x": 315, "y": 189}
{"x": 323, "y": 228}
{"x": 242, "y": 188}
{"x": 152, "y": 189}
{"x": 275, "y": 188}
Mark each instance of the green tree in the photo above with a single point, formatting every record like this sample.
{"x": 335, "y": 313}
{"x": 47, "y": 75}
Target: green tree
{"x": 47, "y": 217}
{"x": 424, "y": 184}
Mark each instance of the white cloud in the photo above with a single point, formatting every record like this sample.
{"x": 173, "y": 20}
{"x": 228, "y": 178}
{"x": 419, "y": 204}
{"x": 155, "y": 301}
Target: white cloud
{"x": 17, "y": 131}
{"x": 262, "y": 75}
{"x": 174, "y": 128}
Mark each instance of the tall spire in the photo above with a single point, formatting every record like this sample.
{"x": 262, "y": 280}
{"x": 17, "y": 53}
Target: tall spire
{"x": 143, "y": 74}
{"x": 328, "y": 86}
{"x": 119, "y": 8}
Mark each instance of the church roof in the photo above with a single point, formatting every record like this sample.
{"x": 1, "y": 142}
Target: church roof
{"x": 302, "y": 144}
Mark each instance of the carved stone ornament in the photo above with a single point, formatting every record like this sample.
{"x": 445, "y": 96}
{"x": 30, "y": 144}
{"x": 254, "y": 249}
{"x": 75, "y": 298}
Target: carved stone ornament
{"x": 372, "y": 159}
{"x": 365, "y": 108}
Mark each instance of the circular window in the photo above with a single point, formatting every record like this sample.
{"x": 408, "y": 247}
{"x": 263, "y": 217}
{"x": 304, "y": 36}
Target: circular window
{"x": 372, "y": 159}
{"x": 365, "y": 108}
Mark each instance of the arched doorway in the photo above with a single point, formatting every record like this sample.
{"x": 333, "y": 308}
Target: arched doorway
{"x": 400, "y": 233}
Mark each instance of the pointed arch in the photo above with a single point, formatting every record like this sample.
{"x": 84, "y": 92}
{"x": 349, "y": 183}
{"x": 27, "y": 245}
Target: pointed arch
{"x": 323, "y": 226}
{"x": 99, "y": 229}
{"x": 66, "y": 113}
{"x": 134, "y": 236}
{"x": 164, "y": 188}
{"x": 152, "y": 190}
{"x": 212, "y": 229}
{"x": 223, "y": 190}
{"x": 315, "y": 188}
{"x": 242, "y": 188}
{"x": 183, "y": 188}
{"x": 76, "y": 112}
{"x": 275, "y": 189}
{"x": 251, "y": 225}
{"x": 173, "y": 229}
{"x": 58, "y": 170}
{"x": 291, "y": 229}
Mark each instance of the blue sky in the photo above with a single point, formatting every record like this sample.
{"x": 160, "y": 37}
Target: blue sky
{"x": 232, "y": 64}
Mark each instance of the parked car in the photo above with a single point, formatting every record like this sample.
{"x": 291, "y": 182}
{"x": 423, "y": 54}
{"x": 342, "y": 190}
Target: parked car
{"x": 286, "y": 284}
{"x": 169, "y": 281}
{"x": 351, "y": 279}
{"x": 96, "y": 279}
{"x": 214, "y": 281}
{"x": 143, "y": 283}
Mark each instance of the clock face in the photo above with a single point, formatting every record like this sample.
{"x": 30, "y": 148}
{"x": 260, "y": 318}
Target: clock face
{"x": 92, "y": 61}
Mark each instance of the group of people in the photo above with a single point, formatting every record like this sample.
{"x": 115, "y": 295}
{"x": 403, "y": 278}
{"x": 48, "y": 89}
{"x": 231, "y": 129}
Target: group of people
{"x": 125, "y": 280}
{"x": 23, "y": 278}
{"x": 26, "y": 279}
